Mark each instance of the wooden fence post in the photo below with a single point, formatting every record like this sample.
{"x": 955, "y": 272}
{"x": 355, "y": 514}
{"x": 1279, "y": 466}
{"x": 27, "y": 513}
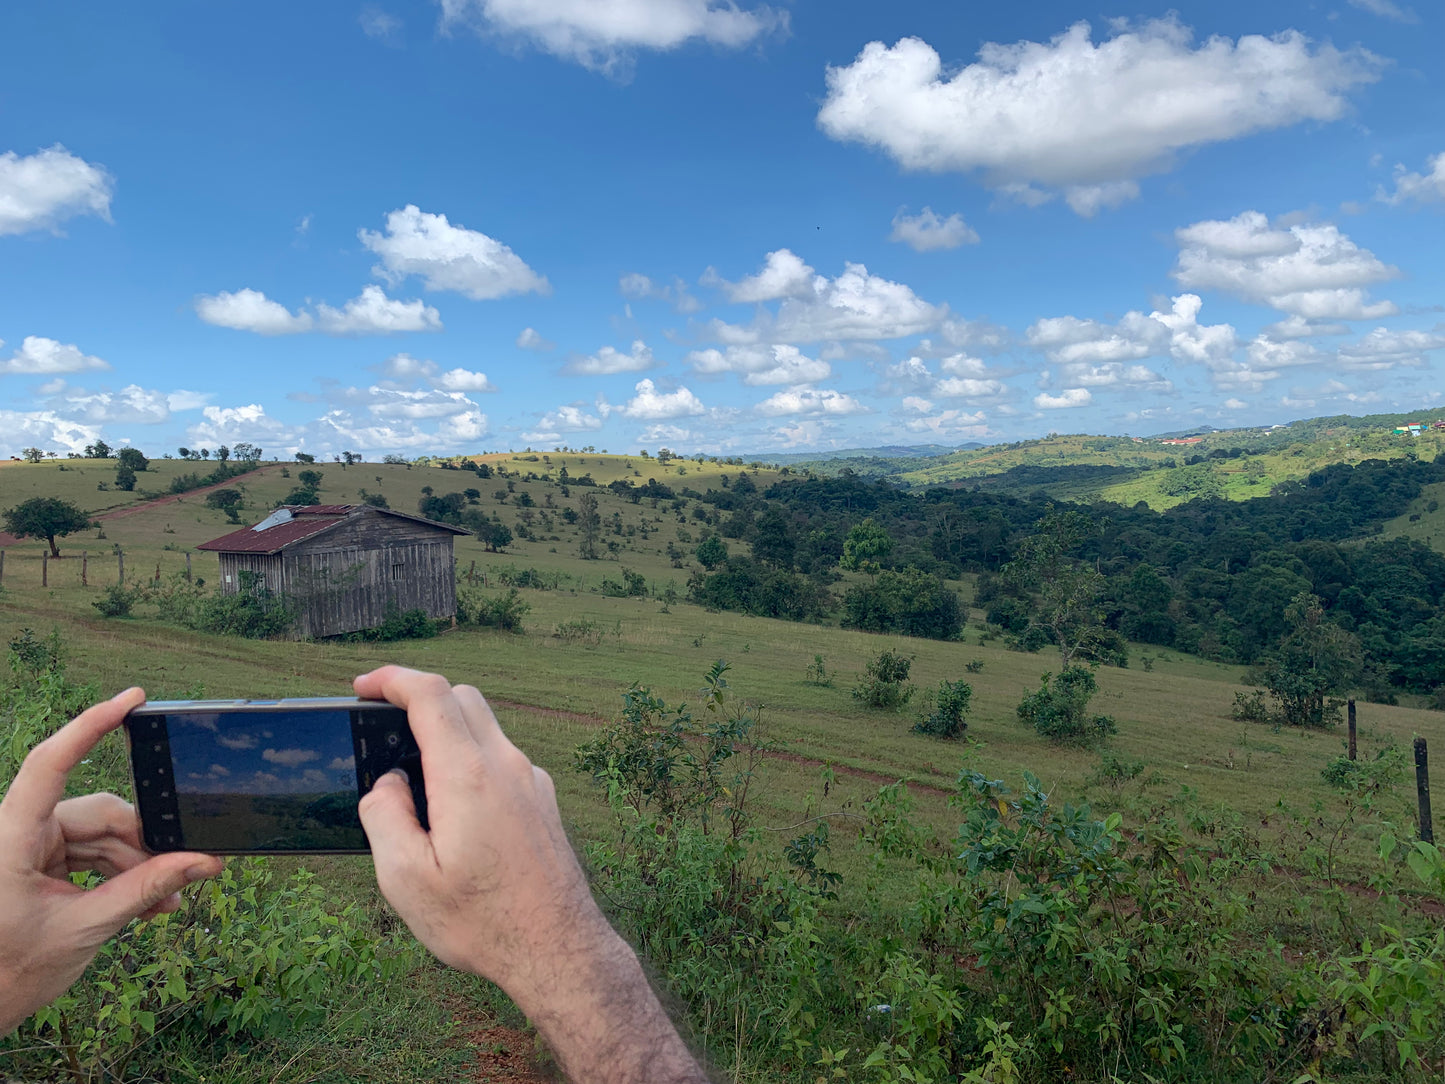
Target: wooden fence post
{"x": 188, "y": 566}
{"x": 1422, "y": 789}
{"x": 85, "y": 568}
{"x": 45, "y": 570}
{"x": 2, "y": 566}
{"x": 158, "y": 572}
{"x": 120, "y": 564}
{"x": 1352, "y": 729}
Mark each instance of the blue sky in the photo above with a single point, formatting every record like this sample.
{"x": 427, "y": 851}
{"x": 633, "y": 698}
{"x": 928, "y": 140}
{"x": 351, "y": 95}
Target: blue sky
{"x": 425, "y": 228}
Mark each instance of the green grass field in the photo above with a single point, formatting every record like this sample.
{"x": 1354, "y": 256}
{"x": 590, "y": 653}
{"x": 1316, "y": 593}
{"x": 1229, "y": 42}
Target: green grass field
{"x": 552, "y": 693}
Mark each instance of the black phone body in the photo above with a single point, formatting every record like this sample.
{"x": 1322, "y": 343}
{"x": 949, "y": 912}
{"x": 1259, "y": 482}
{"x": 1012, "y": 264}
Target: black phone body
{"x": 264, "y": 776}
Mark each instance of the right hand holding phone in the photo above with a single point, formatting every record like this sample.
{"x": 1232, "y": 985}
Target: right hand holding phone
{"x": 493, "y": 887}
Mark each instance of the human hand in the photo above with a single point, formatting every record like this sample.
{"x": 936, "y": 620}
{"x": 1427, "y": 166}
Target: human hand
{"x": 493, "y": 888}
{"x": 50, "y": 929}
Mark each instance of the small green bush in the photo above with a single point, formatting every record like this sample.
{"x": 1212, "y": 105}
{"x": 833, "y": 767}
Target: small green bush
{"x": 117, "y": 600}
{"x": 1059, "y": 709}
{"x": 974, "y": 666}
{"x": 1115, "y": 770}
{"x": 884, "y": 683}
{"x": 494, "y": 612}
{"x": 947, "y": 706}
{"x": 253, "y": 611}
{"x": 397, "y": 625}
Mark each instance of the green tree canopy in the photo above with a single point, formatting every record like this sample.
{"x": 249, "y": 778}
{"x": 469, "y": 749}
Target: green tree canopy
{"x": 45, "y": 517}
{"x": 867, "y": 545}
{"x": 1315, "y": 659}
{"x": 228, "y": 501}
{"x": 133, "y": 458}
{"x": 711, "y": 552}
{"x": 1066, "y": 590}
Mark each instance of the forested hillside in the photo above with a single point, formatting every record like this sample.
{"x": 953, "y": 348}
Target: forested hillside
{"x": 1210, "y": 576}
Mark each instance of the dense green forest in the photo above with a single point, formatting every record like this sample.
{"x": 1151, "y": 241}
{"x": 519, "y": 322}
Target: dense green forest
{"x": 1210, "y": 576}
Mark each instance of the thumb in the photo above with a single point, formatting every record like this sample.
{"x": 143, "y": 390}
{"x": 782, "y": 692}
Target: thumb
{"x": 388, "y": 815}
{"x": 142, "y": 889}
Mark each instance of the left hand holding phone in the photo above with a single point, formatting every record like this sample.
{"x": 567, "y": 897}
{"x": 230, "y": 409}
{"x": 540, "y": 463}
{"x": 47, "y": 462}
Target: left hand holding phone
{"x": 50, "y": 929}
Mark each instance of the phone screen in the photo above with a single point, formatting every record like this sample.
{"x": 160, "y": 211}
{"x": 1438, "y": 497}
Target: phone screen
{"x": 261, "y": 781}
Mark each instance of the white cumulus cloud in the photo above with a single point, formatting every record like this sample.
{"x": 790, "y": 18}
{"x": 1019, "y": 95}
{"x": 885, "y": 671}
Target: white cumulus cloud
{"x": 1084, "y": 118}
{"x": 1070, "y": 397}
{"x": 42, "y": 190}
{"x": 650, "y": 404}
{"x": 251, "y": 310}
{"x": 369, "y": 313}
{"x": 373, "y": 313}
{"x": 804, "y": 401}
{"x": 1308, "y": 270}
{"x": 610, "y": 360}
{"x": 784, "y": 274}
{"x": 854, "y": 306}
{"x": 1425, "y": 187}
{"x": 927, "y": 232}
{"x": 761, "y": 365}
{"x": 449, "y": 257}
{"x": 603, "y": 34}
{"x": 531, "y": 339}
{"x": 41, "y": 356}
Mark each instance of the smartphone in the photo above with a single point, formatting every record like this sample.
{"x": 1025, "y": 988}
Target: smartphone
{"x": 264, "y": 776}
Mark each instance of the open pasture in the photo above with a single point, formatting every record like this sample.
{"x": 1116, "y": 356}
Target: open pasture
{"x": 559, "y": 682}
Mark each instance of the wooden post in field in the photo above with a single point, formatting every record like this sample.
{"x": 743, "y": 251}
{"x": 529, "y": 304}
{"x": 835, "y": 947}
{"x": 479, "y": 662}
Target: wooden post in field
{"x": 1422, "y": 789}
{"x": 45, "y": 570}
{"x": 2, "y": 566}
{"x": 188, "y": 566}
{"x": 472, "y": 574}
{"x": 120, "y": 564}
{"x": 85, "y": 568}
{"x": 1352, "y": 729}
{"x": 158, "y": 572}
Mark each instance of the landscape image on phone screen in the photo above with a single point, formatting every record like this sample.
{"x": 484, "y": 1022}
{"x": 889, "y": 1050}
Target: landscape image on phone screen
{"x": 261, "y": 781}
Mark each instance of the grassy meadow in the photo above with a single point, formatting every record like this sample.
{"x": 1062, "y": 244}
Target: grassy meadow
{"x": 552, "y": 692}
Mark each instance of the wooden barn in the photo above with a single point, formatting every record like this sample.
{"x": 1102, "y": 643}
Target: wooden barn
{"x": 343, "y": 567}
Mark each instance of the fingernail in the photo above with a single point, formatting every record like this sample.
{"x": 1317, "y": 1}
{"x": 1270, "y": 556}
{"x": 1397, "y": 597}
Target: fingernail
{"x": 199, "y": 873}
{"x": 400, "y": 774}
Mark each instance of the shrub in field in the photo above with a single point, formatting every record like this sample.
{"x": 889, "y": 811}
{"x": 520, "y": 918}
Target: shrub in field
{"x": 817, "y": 672}
{"x": 117, "y": 600}
{"x": 492, "y": 611}
{"x": 945, "y": 710}
{"x": 1116, "y": 770}
{"x": 884, "y": 683}
{"x": 1059, "y": 708}
{"x": 397, "y": 625}
{"x": 579, "y": 630}
{"x": 253, "y": 611}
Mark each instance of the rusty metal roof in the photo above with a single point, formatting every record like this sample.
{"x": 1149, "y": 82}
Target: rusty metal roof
{"x": 306, "y": 522}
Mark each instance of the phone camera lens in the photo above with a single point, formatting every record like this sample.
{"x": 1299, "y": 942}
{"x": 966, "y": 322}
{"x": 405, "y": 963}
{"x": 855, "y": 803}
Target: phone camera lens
{"x": 393, "y": 739}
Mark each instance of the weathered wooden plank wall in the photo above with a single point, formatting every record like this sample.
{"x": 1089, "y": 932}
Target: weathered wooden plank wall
{"x": 348, "y": 578}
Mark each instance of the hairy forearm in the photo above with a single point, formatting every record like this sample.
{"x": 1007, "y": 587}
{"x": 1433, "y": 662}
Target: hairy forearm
{"x": 597, "y": 1012}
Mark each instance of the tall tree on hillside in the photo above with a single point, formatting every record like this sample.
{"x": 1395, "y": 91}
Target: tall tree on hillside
{"x": 868, "y": 544}
{"x": 133, "y": 458}
{"x": 589, "y": 522}
{"x": 1065, "y": 589}
{"x": 1315, "y": 659}
{"x": 45, "y": 517}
